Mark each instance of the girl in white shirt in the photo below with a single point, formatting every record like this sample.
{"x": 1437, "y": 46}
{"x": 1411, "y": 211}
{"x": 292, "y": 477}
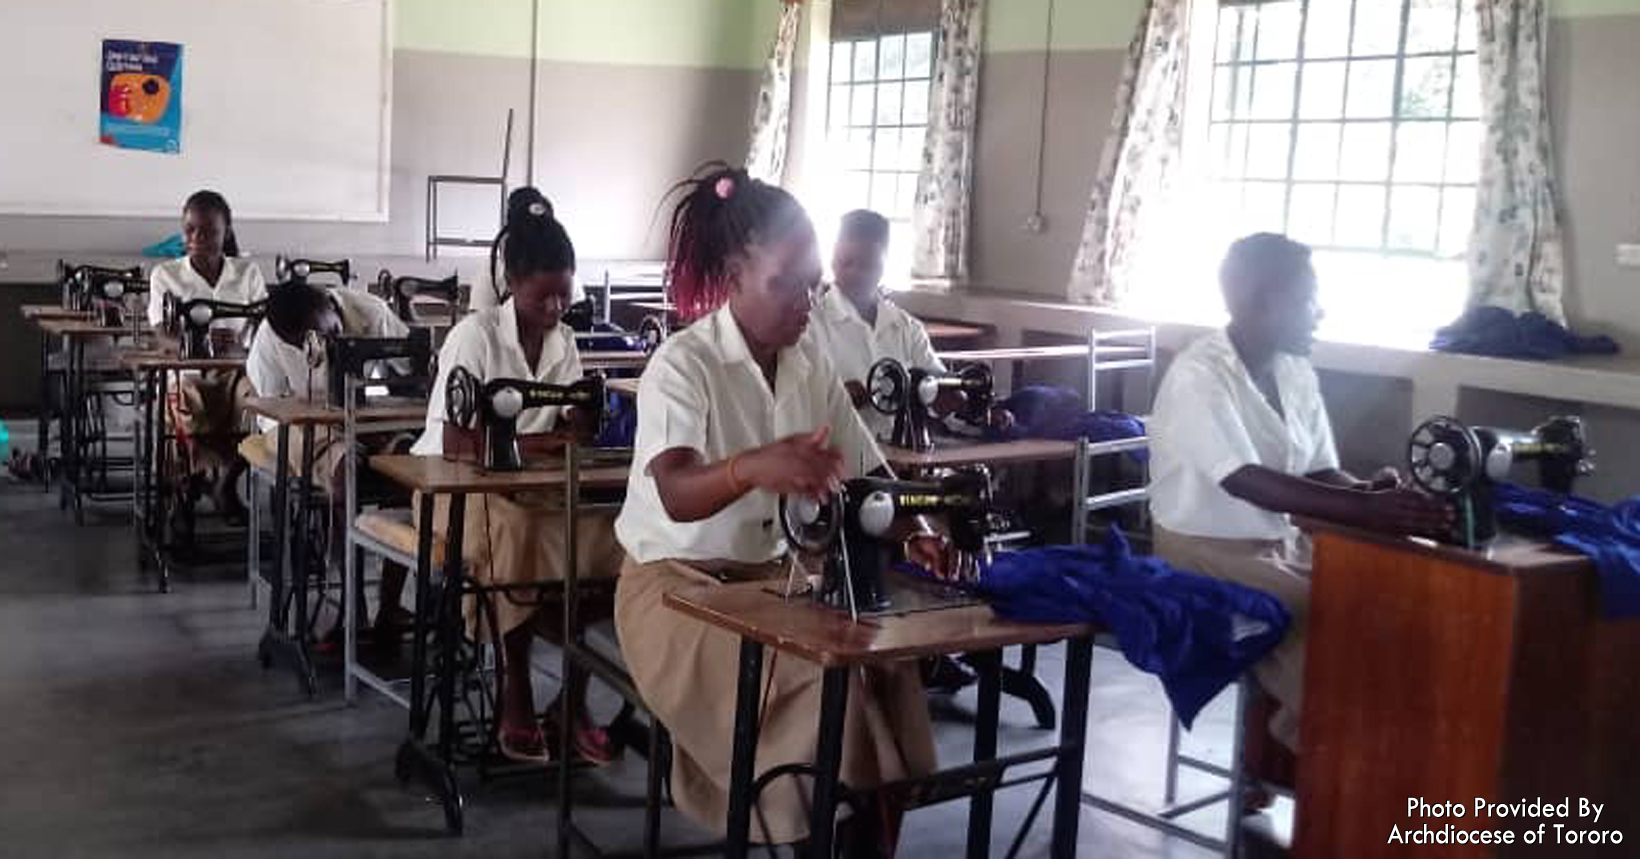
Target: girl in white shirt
{"x": 492, "y": 291}
{"x": 736, "y": 410}
{"x": 519, "y": 539}
{"x": 206, "y": 408}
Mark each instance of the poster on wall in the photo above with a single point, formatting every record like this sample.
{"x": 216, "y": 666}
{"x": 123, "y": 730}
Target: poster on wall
{"x": 141, "y": 97}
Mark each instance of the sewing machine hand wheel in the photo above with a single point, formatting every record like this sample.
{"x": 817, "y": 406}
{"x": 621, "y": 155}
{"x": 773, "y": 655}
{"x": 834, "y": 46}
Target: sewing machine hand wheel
{"x": 651, "y": 332}
{"x": 461, "y": 395}
{"x": 886, "y": 386}
{"x": 1444, "y": 456}
{"x": 811, "y": 526}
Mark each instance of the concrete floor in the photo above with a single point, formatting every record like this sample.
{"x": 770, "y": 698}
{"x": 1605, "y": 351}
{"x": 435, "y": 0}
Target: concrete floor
{"x": 139, "y": 724}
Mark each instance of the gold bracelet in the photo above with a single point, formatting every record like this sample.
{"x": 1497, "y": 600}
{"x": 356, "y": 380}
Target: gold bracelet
{"x": 735, "y": 486}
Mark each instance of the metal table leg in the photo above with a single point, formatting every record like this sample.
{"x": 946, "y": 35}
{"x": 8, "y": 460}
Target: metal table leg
{"x": 1073, "y": 731}
{"x": 743, "y": 759}
{"x": 415, "y": 761}
{"x": 277, "y": 644}
{"x": 987, "y": 713}
{"x": 828, "y": 761}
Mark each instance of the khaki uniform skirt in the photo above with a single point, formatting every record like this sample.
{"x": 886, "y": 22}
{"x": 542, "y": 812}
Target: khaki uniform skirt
{"x": 1280, "y": 570}
{"x": 519, "y": 540}
{"x": 207, "y": 409}
{"x": 686, "y": 671}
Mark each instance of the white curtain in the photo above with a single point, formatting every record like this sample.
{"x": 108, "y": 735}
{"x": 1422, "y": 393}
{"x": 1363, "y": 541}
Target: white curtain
{"x": 1516, "y": 252}
{"x": 945, "y": 188}
{"x": 772, "y": 119}
{"x": 1140, "y": 156}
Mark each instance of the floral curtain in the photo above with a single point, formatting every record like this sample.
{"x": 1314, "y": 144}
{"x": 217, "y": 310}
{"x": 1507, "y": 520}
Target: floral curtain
{"x": 1140, "y": 154}
{"x": 772, "y": 119}
{"x": 1516, "y": 252}
{"x": 945, "y": 187}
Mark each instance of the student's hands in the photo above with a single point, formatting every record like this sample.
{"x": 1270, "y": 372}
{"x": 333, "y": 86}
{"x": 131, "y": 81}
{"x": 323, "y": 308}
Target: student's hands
{"x": 804, "y": 464}
{"x": 224, "y": 340}
{"x": 1407, "y": 511}
{"x": 1002, "y": 420}
{"x": 857, "y": 393}
{"x": 932, "y": 552}
{"x": 1384, "y": 479}
{"x": 578, "y": 423}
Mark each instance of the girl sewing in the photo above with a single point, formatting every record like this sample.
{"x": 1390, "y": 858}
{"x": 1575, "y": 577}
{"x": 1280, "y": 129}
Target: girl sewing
{"x": 514, "y": 540}
{"x": 205, "y": 408}
{"x": 736, "y": 410}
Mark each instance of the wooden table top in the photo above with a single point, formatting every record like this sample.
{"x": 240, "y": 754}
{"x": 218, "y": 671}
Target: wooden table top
{"x": 1036, "y": 353}
{"x": 167, "y": 359}
{"x": 624, "y": 387}
{"x": 614, "y": 360}
{"x": 297, "y": 411}
{"x": 1508, "y": 554}
{"x": 54, "y": 311}
{"x": 435, "y": 475}
{"x": 829, "y": 638}
{"x": 953, "y": 330}
{"x": 84, "y": 326}
{"x": 953, "y": 454}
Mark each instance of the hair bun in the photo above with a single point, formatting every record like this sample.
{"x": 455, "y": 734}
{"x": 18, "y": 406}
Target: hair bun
{"x": 527, "y": 202}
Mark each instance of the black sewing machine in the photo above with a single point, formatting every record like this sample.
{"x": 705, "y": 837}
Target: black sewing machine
{"x": 354, "y": 356}
{"x": 493, "y": 408}
{"x": 106, "y": 293}
{"x": 1462, "y": 464}
{"x": 196, "y": 317}
{"x": 851, "y": 529}
{"x": 910, "y": 397}
{"x": 300, "y": 270}
{"x": 402, "y": 292}
{"x": 580, "y": 316}
{"x": 652, "y": 332}
{"x": 77, "y": 280}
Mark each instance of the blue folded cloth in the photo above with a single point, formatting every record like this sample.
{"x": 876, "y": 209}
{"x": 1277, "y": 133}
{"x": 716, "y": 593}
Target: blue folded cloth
{"x": 1609, "y": 536}
{"x": 1499, "y": 333}
{"x": 169, "y": 247}
{"x": 620, "y": 423}
{"x": 1042, "y": 411}
{"x": 1195, "y": 633}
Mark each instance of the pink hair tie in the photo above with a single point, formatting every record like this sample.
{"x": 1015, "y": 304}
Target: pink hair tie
{"x": 725, "y": 187}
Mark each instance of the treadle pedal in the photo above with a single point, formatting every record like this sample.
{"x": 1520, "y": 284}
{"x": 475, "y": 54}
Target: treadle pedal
{"x": 958, "y": 785}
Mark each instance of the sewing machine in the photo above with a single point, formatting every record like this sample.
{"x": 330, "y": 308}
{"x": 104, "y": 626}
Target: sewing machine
{"x": 300, "y": 270}
{"x": 76, "y": 280}
{"x": 1462, "y": 463}
{"x": 402, "y": 292}
{"x": 353, "y": 356}
{"x": 106, "y": 292}
{"x": 910, "y": 397}
{"x": 652, "y": 331}
{"x": 198, "y": 315}
{"x": 493, "y": 408}
{"x": 851, "y": 530}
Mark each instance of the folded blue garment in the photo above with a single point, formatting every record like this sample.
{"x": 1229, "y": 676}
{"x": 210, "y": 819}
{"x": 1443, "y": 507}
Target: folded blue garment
{"x": 169, "y": 247}
{"x": 1609, "y": 536}
{"x": 1499, "y": 333}
{"x": 1195, "y": 633}
{"x": 1042, "y": 411}
{"x": 620, "y": 423}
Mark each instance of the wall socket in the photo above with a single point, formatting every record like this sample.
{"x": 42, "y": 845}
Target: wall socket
{"x": 1628, "y": 256}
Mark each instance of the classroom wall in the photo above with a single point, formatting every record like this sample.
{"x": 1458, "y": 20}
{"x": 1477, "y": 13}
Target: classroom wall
{"x": 1596, "y": 115}
{"x": 632, "y": 95}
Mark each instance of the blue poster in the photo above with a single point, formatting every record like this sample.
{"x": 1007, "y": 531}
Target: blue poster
{"x": 142, "y": 95}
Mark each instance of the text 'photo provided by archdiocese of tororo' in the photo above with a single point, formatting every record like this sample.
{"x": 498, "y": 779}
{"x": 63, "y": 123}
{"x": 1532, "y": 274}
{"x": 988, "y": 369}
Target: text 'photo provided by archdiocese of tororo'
{"x": 1558, "y": 822}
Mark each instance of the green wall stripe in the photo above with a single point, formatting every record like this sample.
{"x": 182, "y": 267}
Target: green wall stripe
{"x": 693, "y": 33}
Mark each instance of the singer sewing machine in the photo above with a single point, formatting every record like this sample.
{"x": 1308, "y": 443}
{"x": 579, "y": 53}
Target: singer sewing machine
{"x": 1462, "y": 464}
{"x": 910, "y": 396}
{"x": 402, "y": 293}
{"x": 76, "y": 280}
{"x": 106, "y": 293}
{"x": 408, "y": 357}
{"x": 493, "y": 408}
{"x": 300, "y": 270}
{"x": 198, "y": 315}
{"x": 852, "y": 532}
{"x": 652, "y": 332}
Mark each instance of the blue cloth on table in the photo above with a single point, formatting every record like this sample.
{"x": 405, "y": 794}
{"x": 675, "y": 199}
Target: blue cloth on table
{"x": 617, "y": 341}
{"x": 1609, "y": 536}
{"x": 1043, "y": 411}
{"x": 1499, "y": 333}
{"x": 1195, "y": 633}
{"x": 620, "y": 428}
{"x": 169, "y": 247}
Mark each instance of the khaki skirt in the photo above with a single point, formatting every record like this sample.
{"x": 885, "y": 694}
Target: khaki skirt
{"x": 686, "y": 671}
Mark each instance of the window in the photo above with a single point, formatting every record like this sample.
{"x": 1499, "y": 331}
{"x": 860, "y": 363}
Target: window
{"x": 880, "y": 71}
{"x": 1353, "y": 126}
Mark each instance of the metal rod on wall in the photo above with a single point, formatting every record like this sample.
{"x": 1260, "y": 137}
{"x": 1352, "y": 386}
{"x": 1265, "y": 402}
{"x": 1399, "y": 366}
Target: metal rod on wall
{"x": 535, "y": 73}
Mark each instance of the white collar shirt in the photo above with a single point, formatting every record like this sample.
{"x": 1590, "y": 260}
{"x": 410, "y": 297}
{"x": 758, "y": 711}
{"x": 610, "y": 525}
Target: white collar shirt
{"x": 853, "y": 345}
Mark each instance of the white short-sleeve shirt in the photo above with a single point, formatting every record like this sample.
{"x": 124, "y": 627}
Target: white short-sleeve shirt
{"x": 1211, "y": 420}
{"x": 277, "y": 369}
{"x": 703, "y": 391}
{"x": 853, "y": 345}
{"x": 486, "y": 343}
{"x": 241, "y": 283}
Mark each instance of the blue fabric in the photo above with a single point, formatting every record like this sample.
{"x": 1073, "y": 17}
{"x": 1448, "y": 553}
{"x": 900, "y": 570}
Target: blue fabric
{"x": 1499, "y": 333}
{"x": 620, "y": 423}
{"x": 169, "y": 247}
{"x": 617, "y": 341}
{"x": 1609, "y": 536}
{"x": 1042, "y": 411}
{"x": 1195, "y": 633}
